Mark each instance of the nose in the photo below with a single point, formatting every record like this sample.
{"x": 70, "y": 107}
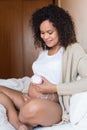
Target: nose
{"x": 46, "y": 36}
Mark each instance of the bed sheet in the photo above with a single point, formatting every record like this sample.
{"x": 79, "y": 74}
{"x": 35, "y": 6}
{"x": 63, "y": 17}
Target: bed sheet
{"x": 22, "y": 84}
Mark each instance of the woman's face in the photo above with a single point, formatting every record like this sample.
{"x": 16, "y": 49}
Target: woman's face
{"x": 49, "y": 33}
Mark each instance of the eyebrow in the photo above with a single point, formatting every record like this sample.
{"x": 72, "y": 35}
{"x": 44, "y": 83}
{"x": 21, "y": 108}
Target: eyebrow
{"x": 48, "y": 30}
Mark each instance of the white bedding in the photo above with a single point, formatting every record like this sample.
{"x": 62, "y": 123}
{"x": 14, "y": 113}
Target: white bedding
{"x": 65, "y": 126}
{"x": 22, "y": 85}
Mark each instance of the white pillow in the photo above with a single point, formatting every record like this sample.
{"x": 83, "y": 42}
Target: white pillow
{"x": 78, "y": 107}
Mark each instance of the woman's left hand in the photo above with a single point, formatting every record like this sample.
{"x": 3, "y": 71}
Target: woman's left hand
{"x": 46, "y": 87}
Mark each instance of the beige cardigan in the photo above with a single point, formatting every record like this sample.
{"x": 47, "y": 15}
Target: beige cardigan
{"x": 74, "y": 63}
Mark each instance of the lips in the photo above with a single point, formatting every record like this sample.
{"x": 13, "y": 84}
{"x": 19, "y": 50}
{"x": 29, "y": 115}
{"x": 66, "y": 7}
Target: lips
{"x": 48, "y": 42}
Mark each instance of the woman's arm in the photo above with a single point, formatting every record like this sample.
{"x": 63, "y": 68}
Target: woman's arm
{"x": 77, "y": 65}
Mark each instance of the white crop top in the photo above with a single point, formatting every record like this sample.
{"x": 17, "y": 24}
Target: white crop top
{"x": 49, "y": 66}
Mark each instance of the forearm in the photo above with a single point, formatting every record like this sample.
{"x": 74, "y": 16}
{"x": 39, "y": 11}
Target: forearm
{"x": 72, "y": 87}
{"x": 14, "y": 95}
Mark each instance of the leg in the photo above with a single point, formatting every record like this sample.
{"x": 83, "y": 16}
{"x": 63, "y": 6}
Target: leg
{"x": 11, "y": 112}
{"x": 14, "y": 95}
{"x": 40, "y": 112}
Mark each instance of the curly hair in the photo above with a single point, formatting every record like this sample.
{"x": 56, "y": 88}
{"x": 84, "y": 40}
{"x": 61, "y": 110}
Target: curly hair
{"x": 61, "y": 20}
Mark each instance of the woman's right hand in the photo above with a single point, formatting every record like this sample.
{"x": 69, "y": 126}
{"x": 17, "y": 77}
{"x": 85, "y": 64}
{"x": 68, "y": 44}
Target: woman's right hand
{"x": 26, "y": 97}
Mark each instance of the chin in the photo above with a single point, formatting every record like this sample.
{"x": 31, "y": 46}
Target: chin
{"x": 48, "y": 48}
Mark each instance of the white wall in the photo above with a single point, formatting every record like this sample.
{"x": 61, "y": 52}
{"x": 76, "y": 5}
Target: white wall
{"x": 78, "y": 9}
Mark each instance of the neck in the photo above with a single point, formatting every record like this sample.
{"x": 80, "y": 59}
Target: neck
{"x": 54, "y": 50}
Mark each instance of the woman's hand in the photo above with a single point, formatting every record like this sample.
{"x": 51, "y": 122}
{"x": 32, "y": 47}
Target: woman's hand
{"x": 46, "y": 87}
{"x": 46, "y": 90}
{"x": 26, "y": 97}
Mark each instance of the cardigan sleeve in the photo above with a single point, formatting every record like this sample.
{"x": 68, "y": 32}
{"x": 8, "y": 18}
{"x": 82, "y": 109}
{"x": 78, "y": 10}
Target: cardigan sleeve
{"x": 72, "y": 87}
{"x": 76, "y": 86}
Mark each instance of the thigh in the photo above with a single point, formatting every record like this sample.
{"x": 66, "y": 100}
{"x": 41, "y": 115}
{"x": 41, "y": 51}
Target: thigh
{"x": 41, "y": 112}
{"x": 49, "y": 113}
